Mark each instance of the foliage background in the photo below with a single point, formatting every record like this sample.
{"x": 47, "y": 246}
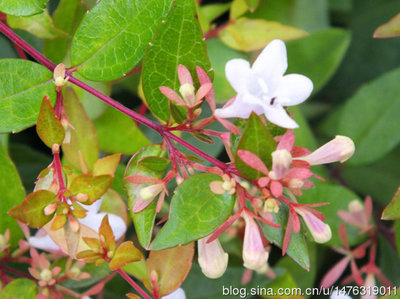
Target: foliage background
{"x": 357, "y": 90}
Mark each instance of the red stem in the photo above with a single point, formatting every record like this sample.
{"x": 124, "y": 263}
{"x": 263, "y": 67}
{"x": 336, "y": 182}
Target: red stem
{"x": 133, "y": 284}
{"x": 136, "y": 116}
{"x": 15, "y": 272}
{"x": 58, "y": 170}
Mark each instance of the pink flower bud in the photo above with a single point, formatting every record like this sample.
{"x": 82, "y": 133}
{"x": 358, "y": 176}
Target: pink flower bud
{"x": 50, "y": 209}
{"x": 187, "y": 92}
{"x": 254, "y": 254}
{"x": 320, "y": 231}
{"x": 339, "y": 149}
{"x": 150, "y": 192}
{"x": 370, "y": 284}
{"x": 281, "y": 160}
{"x": 213, "y": 260}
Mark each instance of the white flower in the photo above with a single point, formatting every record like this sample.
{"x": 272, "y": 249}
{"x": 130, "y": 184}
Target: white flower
{"x": 339, "y": 295}
{"x": 93, "y": 220}
{"x": 213, "y": 260}
{"x": 177, "y": 294}
{"x": 263, "y": 88}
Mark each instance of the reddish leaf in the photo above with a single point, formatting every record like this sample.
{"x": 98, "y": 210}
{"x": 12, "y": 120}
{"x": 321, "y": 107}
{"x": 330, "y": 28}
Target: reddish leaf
{"x": 106, "y": 232}
{"x": 172, "y": 265}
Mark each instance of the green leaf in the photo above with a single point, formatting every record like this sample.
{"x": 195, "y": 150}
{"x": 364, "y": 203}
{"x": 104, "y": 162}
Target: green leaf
{"x": 137, "y": 269}
{"x": 172, "y": 266}
{"x": 297, "y": 249}
{"x": 389, "y": 262}
{"x": 29, "y": 163}
{"x": 252, "y": 4}
{"x": 366, "y": 58}
{"x": 93, "y": 106}
{"x": 392, "y": 211}
{"x": 219, "y": 55}
{"x": 144, "y": 220}
{"x": 9, "y": 196}
{"x": 380, "y": 180}
{"x": 303, "y": 279}
{"x": 22, "y": 8}
{"x": 208, "y": 13}
{"x": 238, "y": 8}
{"x": 195, "y": 212}
{"x": 67, "y": 17}
{"x": 318, "y": 56}
{"x": 308, "y": 15}
{"x": 23, "y": 84}
{"x": 370, "y": 118}
{"x": 21, "y": 288}
{"x": 31, "y": 210}
{"x": 93, "y": 186}
{"x": 249, "y": 35}
{"x": 48, "y": 126}
{"x": 201, "y": 287}
{"x": 113, "y": 37}
{"x": 118, "y": 133}
{"x": 83, "y": 141}
{"x": 40, "y": 25}
{"x": 178, "y": 41}
{"x": 338, "y": 198}
{"x": 389, "y": 29}
{"x": 283, "y": 280}
{"x": 258, "y": 140}
{"x": 155, "y": 163}
{"x": 126, "y": 253}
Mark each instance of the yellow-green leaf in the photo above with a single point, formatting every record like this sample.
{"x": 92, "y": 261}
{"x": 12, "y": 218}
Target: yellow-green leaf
{"x": 40, "y": 25}
{"x": 249, "y": 35}
{"x": 389, "y": 29}
{"x": 93, "y": 186}
{"x": 83, "y": 141}
{"x": 392, "y": 211}
{"x": 31, "y": 210}
{"x": 48, "y": 125}
{"x": 107, "y": 165}
{"x": 126, "y": 253}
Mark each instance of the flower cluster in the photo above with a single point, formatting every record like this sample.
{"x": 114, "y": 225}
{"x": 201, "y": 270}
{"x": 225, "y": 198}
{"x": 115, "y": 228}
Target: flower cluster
{"x": 264, "y": 90}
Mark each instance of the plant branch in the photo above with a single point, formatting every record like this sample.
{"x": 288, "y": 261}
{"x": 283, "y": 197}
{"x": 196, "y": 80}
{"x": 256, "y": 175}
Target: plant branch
{"x": 26, "y": 47}
{"x": 133, "y": 284}
{"x": 58, "y": 171}
{"x": 136, "y": 116}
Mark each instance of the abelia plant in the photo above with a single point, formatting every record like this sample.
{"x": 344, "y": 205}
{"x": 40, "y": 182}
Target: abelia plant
{"x": 197, "y": 147}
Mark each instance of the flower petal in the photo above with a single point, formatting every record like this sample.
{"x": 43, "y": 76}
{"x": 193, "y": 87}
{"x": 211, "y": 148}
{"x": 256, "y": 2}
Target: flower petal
{"x": 94, "y": 207}
{"x": 333, "y": 274}
{"x": 93, "y": 221}
{"x": 278, "y": 116}
{"x": 241, "y": 107}
{"x": 236, "y": 71}
{"x": 177, "y": 294}
{"x": 293, "y": 89}
{"x": 44, "y": 243}
{"x": 213, "y": 260}
{"x": 272, "y": 62}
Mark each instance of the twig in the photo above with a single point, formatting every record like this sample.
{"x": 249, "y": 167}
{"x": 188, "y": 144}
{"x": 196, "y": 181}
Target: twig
{"x": 133, "y": 284}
